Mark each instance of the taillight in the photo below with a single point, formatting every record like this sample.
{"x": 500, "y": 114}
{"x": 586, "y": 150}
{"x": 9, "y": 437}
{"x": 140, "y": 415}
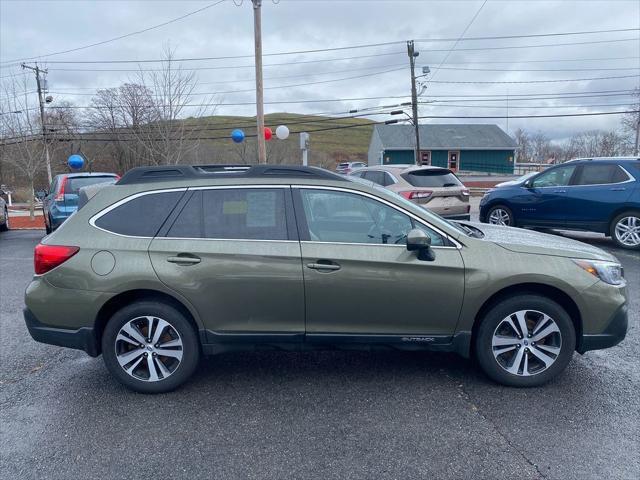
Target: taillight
{"x": 47, "y": 257}
{"x": 415, "y": 195}
{"x": 465, "y": 192}
{"x": 60, "y": 195}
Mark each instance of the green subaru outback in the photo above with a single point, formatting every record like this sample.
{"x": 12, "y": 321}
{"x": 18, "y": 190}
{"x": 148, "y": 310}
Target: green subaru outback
{"x": 175, "y": 262}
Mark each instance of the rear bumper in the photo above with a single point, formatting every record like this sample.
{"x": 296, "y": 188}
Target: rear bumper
{"x": 612, "y": 335}
{"x": 81, "y": 339}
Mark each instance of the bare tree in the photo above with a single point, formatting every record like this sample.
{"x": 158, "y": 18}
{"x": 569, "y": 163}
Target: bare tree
{"x": 168, "y": 137}
{"x": 144, "y": 120}
{"x": 631, "y": 121}
{"x": 540, "y": 147}
{"x": 21, "y": 131}
{"x": 523, "y": 142}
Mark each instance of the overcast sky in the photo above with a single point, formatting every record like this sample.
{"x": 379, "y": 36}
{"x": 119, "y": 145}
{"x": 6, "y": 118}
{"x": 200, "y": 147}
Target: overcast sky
{"x": 34, "y": 28}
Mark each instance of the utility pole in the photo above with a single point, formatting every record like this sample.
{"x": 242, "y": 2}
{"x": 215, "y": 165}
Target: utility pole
{"x": 257, "y": 32}
{"x": 414, "y": 96}
{"x": 635, "y": 150}
{"x": 38, "y": 71}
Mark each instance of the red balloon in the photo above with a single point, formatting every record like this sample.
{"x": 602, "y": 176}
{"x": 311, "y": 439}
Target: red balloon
{"x": 267, "y": 133}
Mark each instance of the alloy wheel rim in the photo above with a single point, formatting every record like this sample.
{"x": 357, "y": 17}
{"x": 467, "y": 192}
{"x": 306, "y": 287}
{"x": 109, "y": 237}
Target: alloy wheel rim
{"x": 526, "y": 343}
{"x": 499, "y": 216}
{"x": 627, "y": 231}
{"x": 149, "y": 348}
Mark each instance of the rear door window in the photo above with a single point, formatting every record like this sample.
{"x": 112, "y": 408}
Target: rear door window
{"x": 238, "y": 214}
{"x": 141, "y": 216}
{"x": 600, "y": 174}
{"x": 432, "y": 178}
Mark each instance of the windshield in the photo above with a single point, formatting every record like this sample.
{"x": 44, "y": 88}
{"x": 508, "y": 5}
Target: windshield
{"x": 74, "y": 184}
{"x": 434, "y": 178}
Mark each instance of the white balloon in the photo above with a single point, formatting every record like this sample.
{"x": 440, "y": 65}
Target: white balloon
{"x": 282, "y": 132}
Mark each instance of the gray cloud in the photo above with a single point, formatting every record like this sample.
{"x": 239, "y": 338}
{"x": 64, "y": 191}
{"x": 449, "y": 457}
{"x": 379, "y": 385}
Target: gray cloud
{"x": 34, "y": 28}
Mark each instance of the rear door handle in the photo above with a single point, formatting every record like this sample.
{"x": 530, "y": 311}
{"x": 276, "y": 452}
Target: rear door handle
{"x": 618, "y": 189}
{"x": 559, "y": 191}
{"x": 325, "y": 265}
{"x": 182, "y": 259}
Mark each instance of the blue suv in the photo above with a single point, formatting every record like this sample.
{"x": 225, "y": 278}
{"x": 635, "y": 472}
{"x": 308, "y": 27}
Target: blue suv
{"x": 62, "y": 199}
{"x": 594, "y": 194}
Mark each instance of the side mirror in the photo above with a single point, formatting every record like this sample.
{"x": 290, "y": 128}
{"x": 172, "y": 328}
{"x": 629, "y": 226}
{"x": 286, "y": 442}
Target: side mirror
{"x": 419, "y": 241}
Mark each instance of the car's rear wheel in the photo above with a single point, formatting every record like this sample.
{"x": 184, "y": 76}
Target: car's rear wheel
{"x": 150, "y": 347}
{"x": 500, "y": 215}
{"x": 525, "y": 341}
{"x": 5, "y": 226}
{"x": 625, "y": 230}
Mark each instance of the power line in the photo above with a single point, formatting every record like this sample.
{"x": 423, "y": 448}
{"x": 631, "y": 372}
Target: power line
{"x": 446, "y": 57}
{"x": 333, "y": 49}
{"x": 537, "y": 69}
{"x": 466, "y": 117}
{"x": 560, "y": 80}
{"x": 120, "y": 37}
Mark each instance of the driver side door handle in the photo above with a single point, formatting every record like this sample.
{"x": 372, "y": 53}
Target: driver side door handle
{"x": 324, "y": 265}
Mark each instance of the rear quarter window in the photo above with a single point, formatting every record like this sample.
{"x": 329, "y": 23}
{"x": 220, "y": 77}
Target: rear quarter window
{"x": 141, "y": 216}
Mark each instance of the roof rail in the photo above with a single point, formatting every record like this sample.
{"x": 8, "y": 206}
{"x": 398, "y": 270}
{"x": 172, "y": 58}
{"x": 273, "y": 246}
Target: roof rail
{"x": 167, "y": 173}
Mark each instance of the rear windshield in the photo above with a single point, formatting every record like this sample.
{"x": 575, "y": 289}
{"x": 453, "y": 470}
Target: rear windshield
{"x": 432, "y": 178}
{"x": 76, "y": 183}
{"x": 343, "y": 164}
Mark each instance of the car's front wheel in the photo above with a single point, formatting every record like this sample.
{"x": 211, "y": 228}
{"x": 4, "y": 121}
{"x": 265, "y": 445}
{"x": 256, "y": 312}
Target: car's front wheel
{"x": 500, "y": 215}
{"x": 625, "y": 230}
{"x": 150, "y": 347}
{"x": 525, "y": 341}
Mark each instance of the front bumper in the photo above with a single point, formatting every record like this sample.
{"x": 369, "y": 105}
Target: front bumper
{"x": 612, "y": 335}
{"x": 81, "y": 339}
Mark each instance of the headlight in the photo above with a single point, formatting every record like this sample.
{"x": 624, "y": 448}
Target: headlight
{"x": 609, "y": 272}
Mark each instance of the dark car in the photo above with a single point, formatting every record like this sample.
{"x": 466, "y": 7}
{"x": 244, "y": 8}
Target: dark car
{"x": 62, "y": 199}
{"x": 593, "y": 194}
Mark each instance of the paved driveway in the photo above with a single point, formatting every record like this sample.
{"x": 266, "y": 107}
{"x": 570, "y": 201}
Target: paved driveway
{"x": 311, "y": 415}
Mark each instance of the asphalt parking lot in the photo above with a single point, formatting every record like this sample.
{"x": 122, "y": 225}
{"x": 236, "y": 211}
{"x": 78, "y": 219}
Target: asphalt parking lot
{"x": 311, "y": 415}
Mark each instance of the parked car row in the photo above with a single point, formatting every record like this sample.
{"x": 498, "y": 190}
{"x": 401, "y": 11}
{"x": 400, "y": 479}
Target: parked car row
{"x": 598, "y": 195}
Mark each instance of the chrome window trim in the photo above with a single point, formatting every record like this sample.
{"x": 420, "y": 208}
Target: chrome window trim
{"x": 225, "y": 239}
{"x": 630, "y": 179}
{"x": 457, "y": 244}
{"x": 95, "y": 217}
{"x": 401, "y": 245}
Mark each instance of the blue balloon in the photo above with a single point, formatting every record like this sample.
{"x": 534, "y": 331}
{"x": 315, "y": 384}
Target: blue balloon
{"x": 75, "y": 162}
{"x": 237, "y": 135}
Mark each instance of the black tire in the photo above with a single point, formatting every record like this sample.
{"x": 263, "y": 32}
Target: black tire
{"x": 484, "y": 350}
{"x": 5, "y": 226}
{"x": 47, "y": 227}
{"x": 505, "y": 209}
{"x": 612, "y": 229}
{"x": 180, "y": 324}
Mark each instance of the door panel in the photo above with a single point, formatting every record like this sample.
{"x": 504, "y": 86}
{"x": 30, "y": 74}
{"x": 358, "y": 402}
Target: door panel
{"x": 360, "y": 278}
{"x": 234, "y": 254}
{"x": 382, "y": 289}
{"x": 544, "y": 202}
{"x": 598, "y": 190}
{"x": 238, "y": 286}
